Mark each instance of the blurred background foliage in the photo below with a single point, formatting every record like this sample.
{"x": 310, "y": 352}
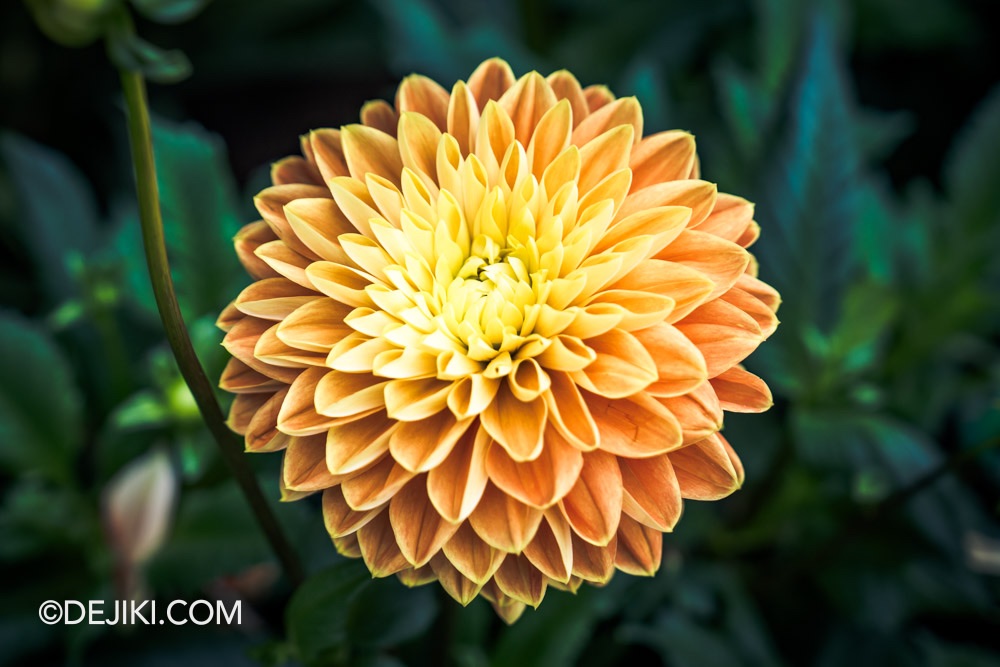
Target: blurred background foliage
{"x": 868, "y": 133}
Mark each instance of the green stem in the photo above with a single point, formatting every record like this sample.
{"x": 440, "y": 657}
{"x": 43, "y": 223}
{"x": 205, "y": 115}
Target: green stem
{"x": 140, "y": 138}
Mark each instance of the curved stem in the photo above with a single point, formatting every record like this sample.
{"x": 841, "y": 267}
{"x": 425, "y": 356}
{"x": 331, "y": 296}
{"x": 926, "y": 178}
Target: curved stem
{"x": 140, "y": 138}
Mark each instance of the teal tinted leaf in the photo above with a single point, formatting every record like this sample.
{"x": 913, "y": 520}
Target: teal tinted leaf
{"x": 681, "y": 642}
{"x": 128, "y": 51}
{"x": 41, "y": 415}
{"x": 170, "y": 11}
{"x": 879, "y": 133}
{"x": 57, "y": 217}
{"x": 385, "y": 614}
{"x": 865, "y": 316}
{"x": 972, "y": 167}
{"x": 318, "y": 614}
{"x": 809, "y": 197}
{"x": 645, "y": 80}
{"x": 779, "y": 36}
{"x": 553, "y": 635}
{"x": 747, "y": 106}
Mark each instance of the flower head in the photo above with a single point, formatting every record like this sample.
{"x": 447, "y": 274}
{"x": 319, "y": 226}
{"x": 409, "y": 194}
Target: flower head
{"x": 497, "y": 328}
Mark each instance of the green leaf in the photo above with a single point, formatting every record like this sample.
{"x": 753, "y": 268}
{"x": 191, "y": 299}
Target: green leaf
{"x": 972, "y": 167}
{"x": 555, "y": 634}
{"x": 41, "y": 414}
{"x": 130, "y": 52}
{"x": 318, "y": 614}
{"x": 170, "y": 11}
{"x": 386, "y": 614}
{"x": 57, "y": 216}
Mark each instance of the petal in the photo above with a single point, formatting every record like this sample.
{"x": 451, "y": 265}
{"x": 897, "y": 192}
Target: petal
{"x": 295, "y": 169}
{"x": 742, "y": 391}
{"x": 298, "y": 415}
{"x": 665, "y": 156}
{"x": 550, "y": 138}
{"x": 420, "y": 530}
{"x": 371, "y": 151}
{"x": 272, "y": 350}
{"x": 354, "y": 445}
{"x": 504, "y": 522}
{"x": 640, "y": 548}
{"x": 624, "y": 111}
{"x": 517, "y": 426}
{"x": 373, "y": 487}
{"x": 342, "y": 283}
{"x": 507, "y": 608}
{"x": 242, "y": 410}
{"x": 680, "y": 365}
{"x": 328, "y": 152}
{"x": 378, "y": 547}
{"x": 597, "y": 97}
{"x": 316, "y": 326}
{"x": 698, "y": 412}
{"x": 284, "y": 261}
{"x": 246, "y": 242}
{"x": 592, "y": 563}
{"x": 594, "y": 504}
{"x": 664, "y": 224}
{"x": 723, "y": 333}
{"x": 424, "y": 96}
{"x": 414, "y": 400}
{"x": 471, "y": 556}
{"x": 339, "y": 518}
{"x": 767, "y": 294}
{"x": 636, "y": 427}
{"x": 720, "y": 260}
{"x": 339, "y": 394}
{"x": 730, "y": 218}
{"x": 240, "y": 342}
{"x": 417, "y": 576}
{"x": 521, "y": 580}
{"x": 623, "y": 366}
{"x": 273, "y": 298}
{"x": 262, "y": 433}
{"x": 552, "y": 549}
{"x": 652, "y": 494}
{"x": 569, "y": 413}
{"x": 754, "y": 307}
{"x": 239, "y": 378}
{"x": 472, "y": 394}
{"x": 455, "y": 584}
{"x": 463, "y": 117}
{"x": 418, "y": 145}
{"x": 456, "y": 486}
{"x": 541, "y": 482}
{"x": 566, "y": 87}
{"x": 490, "y": 81}
{"x": 525, "y": 103}
{"x": 688, "y": 287}
{"x": 380, "y": 115}
{"x": 707, "y": 470}
{"x": 642, "y": 309}
{"x": 420, "y": 446}
{"x": 605, "y": 155}
{"x": 271, "y": 202}
{"x": 319, "y": 223}
{"x": 699, "y": 196}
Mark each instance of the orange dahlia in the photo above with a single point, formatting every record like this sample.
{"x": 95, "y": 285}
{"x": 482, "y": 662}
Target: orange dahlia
{"x": 498, "y": 329}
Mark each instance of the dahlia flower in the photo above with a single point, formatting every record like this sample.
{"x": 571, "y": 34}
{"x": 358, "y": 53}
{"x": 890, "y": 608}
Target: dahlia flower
{"x": 498, "y": 329}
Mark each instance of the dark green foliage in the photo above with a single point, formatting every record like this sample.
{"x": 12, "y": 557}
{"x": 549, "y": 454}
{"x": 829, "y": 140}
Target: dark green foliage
{"x": 867, "y": 531}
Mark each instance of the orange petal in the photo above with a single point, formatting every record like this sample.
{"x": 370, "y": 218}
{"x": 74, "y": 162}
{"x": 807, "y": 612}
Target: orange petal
{"x": 463, "y": 117}
{"x": 490, "y": 81}
{"x": 552, "y": 549}
{"x": 723, "y": 333}
{"x": 240, "y": 342}
{"x": 316, "y": 326}
{"x": 624, "y": 111}
{"x": 741, "y": 391}
{"x": 642, "y": 309}
{"x": 295, "y": 169}
{"x": 570, "y": 414}
{"x": 424, "y": 96}
{"x": 592, "y": 563}
{"x": 767, "y": 294}
{"x": 328, "y": 152}
{"x": 285, "y": 261}
{"x": 707, "y": 470}
{"x": 550, "y": 138}
{"x": 526, "y": 102}
{"x": 623, "y": 366}
{"x": 376, "y": 485}
{"x": 420, "y": 446}
{"x": 566, "y": 87}
{"x": 347, "y": 546}
{"x": 344, "y": 284}
{"x": 594, "y": 504}
{"x": 699, "y": 196}
{"x": 354, "y": 445}
{"x": 319, "y": 223}
{"x": 377, "y": 543}
{"x": 371, "y": 151}
{"x": 504, "y": 522}
{"x": 239, "y": 378}
{"x": 304, "y": 465}
{"x": 636, "y": 427}
{"x": 271, "y": 202}
{"x": 455, "y": 584}
{"x": 680, "y": 365}
{"x": 521, "y": 580}
{"x": 754, "y": 307}
{"x": 720, "y": 260}
{"x": 471, "y": 556}
{"x": 456, "y": 485}
{"x": 604, "y": 155}
{"x": 698, "y": 412}
{"x": 597, "y": 96}
{"x": 665, "y": 156}
{"x": 414, "y": 400}
{"x": 347, "y": 394}
{"x": 418, "y": 145}
{"x": 380, "y": 115}
{"x": 229, "y": 316}
{"x": 652, "y": 493}
{"x": 242, "y": 410}
{"x": 541, "y": 482}
{"x": 273, "y": 351}
{"x": 420, "y": 530}
{"x": 339, "y": 518}
{"x": 273, "y": 298}
{"x": 412, "y": 577}
{"x": 246, "y": 241}
{"x": 640, "y": 548}
{"x": 516, "y": 425}
{"x": 688, "y": 287}
{"x": 730, "y": 218}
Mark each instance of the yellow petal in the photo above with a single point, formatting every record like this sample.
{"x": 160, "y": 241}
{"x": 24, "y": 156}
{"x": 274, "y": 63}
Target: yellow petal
{"x": 342, "y": 283}
{"x": 593, "y": 506}
{"x": 413, "y": 400}
{"x": 418, "y": 145}
{"x": 471, "y": 395}
{"x": 463, "y": 117}
{"x": 318, "y": 223}
{"x": 284, "y": 261}
{"x": 642, "y": 309}
{"x": 339, "y": 394}
{"x": 271, "y": 202}
{"x": 604, "y": 155}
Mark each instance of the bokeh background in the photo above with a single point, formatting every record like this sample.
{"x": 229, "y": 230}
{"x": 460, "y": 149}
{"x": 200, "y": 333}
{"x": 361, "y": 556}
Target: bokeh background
{"x": 868, "y": 134}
